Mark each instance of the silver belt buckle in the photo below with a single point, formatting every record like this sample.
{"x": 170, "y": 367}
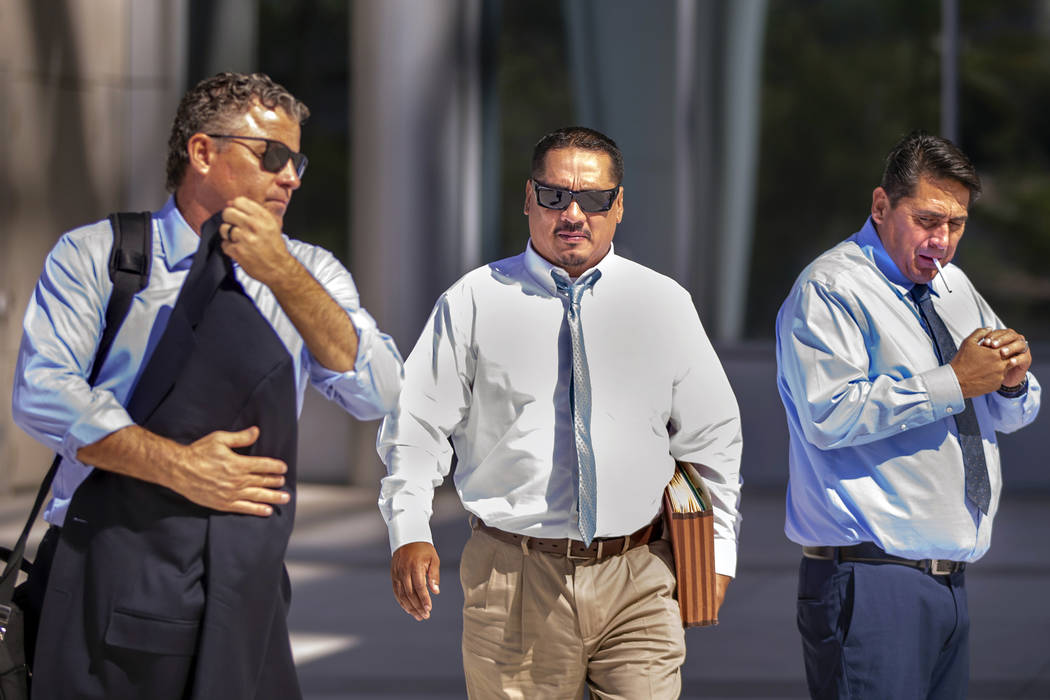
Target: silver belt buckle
{"x": 941, "y": 567}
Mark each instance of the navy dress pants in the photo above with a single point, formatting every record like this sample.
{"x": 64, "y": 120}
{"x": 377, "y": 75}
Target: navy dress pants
{"x": 878, "y": 631}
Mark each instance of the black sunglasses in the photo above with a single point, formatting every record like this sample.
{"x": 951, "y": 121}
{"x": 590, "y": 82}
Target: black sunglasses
{"x": 275, "y": 155}
{"x": 590, "y": 201}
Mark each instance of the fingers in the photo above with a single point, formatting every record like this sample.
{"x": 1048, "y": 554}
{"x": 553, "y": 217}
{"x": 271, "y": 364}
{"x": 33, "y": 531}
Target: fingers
{"x": 215, "y": 476}
{"x": 414, "y": 572}
{"x": 1008, "y": 341}
{"x": 978, "y": 337}
{"x": 240, "y": 438}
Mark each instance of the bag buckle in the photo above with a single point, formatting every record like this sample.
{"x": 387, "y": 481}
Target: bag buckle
{"x": 5, "y": 618}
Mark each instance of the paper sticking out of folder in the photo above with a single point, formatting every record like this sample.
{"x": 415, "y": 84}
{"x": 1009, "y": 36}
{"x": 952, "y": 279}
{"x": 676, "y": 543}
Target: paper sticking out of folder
{"x": 685, "y": 498}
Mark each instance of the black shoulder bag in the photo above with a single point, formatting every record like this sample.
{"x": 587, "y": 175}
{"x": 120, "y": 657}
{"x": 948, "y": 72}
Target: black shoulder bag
{"x": 129, "y": 267}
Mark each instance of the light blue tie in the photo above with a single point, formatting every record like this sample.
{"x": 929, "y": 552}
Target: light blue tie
{"x": 580, "y": 398}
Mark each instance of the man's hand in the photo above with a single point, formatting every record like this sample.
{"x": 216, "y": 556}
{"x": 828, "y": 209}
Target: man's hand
{"x": 982, "y": 368}
{"x": 1013, "y": 348}
{"x": 251, "y": 236}
{"x": 207, "y": 472}
{"x": 216, "y": 477}
{"x": 415, "y": 567}
{"x": 721, "y": 584}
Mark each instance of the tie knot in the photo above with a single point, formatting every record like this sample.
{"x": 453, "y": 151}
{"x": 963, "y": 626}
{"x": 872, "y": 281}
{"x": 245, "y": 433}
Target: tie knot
{"x": 573, "y": 291}
{"x": 920, "y": 292}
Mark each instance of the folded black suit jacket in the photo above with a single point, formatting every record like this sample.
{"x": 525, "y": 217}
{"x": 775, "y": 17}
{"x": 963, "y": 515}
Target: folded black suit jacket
{"x": 151, "y": 596}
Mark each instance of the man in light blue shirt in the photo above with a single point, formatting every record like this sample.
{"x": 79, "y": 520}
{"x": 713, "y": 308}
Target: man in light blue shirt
{"x": 894, "y": 467}
{"x": 234, "y": 149}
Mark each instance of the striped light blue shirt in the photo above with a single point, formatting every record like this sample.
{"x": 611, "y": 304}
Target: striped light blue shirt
{"x": 874, "y": 451}
{"x": 63, "y": 324}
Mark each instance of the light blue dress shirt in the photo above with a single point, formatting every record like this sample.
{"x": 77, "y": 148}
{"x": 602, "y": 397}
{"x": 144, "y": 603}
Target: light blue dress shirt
{"x": 874, "y": 451}
{"x": 63, "y": 324}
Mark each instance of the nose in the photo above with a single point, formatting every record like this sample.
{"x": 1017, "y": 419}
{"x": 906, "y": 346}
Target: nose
{"x": 939, "y": 237}
{"x": 573, "y": 212}
{"x": 288, "y": 177}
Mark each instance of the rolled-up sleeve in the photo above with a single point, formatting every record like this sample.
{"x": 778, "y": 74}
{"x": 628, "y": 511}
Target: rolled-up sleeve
{"x": 371, "y": 388}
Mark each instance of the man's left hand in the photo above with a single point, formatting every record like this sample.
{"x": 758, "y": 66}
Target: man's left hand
{"x": 1013, "y": 347}
{"x": 251, "y": 236}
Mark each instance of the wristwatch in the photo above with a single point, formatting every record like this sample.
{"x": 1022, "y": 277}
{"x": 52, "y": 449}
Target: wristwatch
{"x": 1013, "y": 392}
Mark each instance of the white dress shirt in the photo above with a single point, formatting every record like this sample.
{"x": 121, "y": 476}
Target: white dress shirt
{"x": 52, "y": 400}
{"x": 875, "y": 453}
{"x": 491, "y": 370}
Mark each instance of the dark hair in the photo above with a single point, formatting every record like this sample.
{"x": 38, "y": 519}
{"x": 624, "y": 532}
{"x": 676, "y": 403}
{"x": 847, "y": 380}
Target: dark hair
{"x": 919, "y": 154}
{"x": 577, "y": 137}
{"x": 214, "y": 103}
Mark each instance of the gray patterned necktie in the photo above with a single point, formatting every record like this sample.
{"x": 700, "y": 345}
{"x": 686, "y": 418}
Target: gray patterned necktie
{"x": 580, "y": 398}
{"x": 978, "y": 488}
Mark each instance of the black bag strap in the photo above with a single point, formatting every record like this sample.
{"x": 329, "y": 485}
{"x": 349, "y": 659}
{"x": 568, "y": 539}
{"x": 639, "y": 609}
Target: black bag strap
{"x": 129, "y": 268}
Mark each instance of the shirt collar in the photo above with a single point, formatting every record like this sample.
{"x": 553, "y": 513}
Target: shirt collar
{"x": 540, "y": 269}
{"x": 871, "y": 245}
{"x": 178, "y": 240}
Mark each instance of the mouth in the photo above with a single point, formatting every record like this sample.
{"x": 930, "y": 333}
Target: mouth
{"x": 573, "y": 236}
{"x": 929, "y": 261}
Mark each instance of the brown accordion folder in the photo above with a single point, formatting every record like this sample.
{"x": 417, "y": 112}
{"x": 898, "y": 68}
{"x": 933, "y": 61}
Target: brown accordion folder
{"x": 690, "y": 522}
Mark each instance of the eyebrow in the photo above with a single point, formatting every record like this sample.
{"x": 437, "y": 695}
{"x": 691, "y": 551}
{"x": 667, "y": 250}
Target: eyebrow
{"x": 929, "y": 213}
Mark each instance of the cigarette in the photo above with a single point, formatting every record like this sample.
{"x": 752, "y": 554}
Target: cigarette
{"x": 940, "y": 271}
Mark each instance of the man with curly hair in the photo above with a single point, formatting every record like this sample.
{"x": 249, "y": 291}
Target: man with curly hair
{"x": 161, "y": 574}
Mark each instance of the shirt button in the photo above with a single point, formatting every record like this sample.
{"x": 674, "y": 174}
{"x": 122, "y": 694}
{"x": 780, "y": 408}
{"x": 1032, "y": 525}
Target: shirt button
{"x": 904, "y": 426}
{"x": 949, "y": 409}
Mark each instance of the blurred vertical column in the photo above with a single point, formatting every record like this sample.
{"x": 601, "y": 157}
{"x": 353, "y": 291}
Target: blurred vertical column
{"x": 682, "y": 103}
{"x": 89, "y": 88}
{"x": 746, "y": 25}
{"x": 415, "y": 181}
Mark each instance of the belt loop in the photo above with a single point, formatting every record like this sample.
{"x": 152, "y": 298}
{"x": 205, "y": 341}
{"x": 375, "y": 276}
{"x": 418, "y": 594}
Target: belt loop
{"x": 626, "y": 544}
{"x": 525, "y": 545}
{"x": 473, "y": 520}
{"x": 601, "y": 545}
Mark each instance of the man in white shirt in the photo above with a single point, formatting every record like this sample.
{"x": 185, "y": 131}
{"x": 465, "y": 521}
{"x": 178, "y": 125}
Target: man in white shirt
{"x": 564, "y": 447}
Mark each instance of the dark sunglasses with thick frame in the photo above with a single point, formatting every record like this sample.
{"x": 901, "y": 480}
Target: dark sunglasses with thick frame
{"x": 590, "y": 201}
{"x": 275, "y": 155}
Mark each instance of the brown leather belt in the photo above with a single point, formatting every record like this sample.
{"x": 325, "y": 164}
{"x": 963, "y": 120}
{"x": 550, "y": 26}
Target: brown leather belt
{"x": 601, "y": 548}
{"x": 870, "y": 553}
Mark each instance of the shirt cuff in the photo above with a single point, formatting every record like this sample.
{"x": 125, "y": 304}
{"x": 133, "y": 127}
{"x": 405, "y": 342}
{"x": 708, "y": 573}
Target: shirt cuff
{"x": 946, "y": 397}
{"x": 409, "y": 527}
{"x": 725, "y": 557}
{"x": 109, "y": 417}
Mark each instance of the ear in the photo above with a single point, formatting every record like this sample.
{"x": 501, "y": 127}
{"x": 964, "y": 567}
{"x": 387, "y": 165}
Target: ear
{"x": 618, "y": 206}
{"x": 201, "y": 152}
{"x": 880, "y": 205}
{"x": 528, "y": 196}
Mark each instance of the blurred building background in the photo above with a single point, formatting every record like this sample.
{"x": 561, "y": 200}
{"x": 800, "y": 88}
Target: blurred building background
{"x": 753, "y": 133}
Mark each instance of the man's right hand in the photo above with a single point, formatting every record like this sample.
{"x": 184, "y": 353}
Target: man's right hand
{"x": 207, "y": 472}
{"x": 979, "y": 368}
{"x": 415, "y": 567}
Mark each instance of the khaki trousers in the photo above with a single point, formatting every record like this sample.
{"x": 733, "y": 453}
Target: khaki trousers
{"x": 537, "y": 625}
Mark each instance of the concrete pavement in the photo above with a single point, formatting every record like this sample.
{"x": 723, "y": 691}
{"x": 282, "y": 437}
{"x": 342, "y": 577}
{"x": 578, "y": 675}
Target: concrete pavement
{"x": 340, "y": 568}
{"x": 353, "y": 641}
